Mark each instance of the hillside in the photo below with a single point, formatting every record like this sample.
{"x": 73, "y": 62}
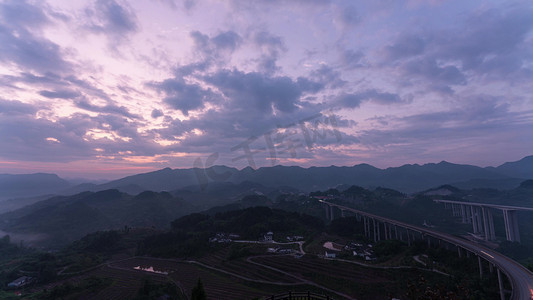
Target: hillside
{"x": 519, "y": 169}
{"x": 407, "y": 178}
{"x": 65, "y": 218}
{"x": 25, "y": 185}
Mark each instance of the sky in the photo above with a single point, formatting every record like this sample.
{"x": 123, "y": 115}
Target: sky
{"x": 108, "y": 88}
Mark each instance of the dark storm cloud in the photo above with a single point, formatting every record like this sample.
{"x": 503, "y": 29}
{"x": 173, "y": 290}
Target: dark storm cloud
{"x": 247, "y": 104}
{"x": 66, "y": 139}
{"x": 354, "y": 100}
{"x": 351, "y": 59}
{"x": 88, "y": 87}
{"x": 21, "y": 14}
{"x": 118, "y": 124}
{"x": 107, "y": 109}
{"x": 349, "y": 16}
{"x": 191, "y": 68}
{"x": 328, "y": 76}
{"x": 271, "y": 47}
{"x": 227, "y": 40}
{"x": 21, "y": 40}
{"x": 59, "y": 94}
{"x": 406, "y": 46}
{"x": 214, "y": 48}
{"x": 30, "y": 52}
{"x": 183, "y": 96}
{"x": 428, "y": 69}
{"x": 187, "y": 4}
{"x": 492, "y": 45}
{"x": 481, "y": 117}
{"x": 258, "y": 91}
{"x": 113, "y": 19}
{"x": 491, "y": 32}
{"x": 156, "y": 113}
{"x": 69, "y": 87}
{"x": 29, "y": 139}
{"x": 282, "y": 2}
{"x": 49, "y": 78}
{"x": 16, "y": 107}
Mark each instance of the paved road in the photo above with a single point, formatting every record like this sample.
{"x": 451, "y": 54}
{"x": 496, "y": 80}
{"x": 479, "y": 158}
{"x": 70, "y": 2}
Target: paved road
{"x": 521, "y": 278}
{"x": 497, "y": 206}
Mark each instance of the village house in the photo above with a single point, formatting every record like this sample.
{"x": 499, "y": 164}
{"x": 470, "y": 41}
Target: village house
{"x": 21, "y": 281}
{"x": 330, "y": 255}
{"x": 268, "y": 236}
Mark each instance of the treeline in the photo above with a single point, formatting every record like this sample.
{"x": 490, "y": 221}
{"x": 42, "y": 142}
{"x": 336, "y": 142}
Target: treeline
{"x": 189, "y": 235}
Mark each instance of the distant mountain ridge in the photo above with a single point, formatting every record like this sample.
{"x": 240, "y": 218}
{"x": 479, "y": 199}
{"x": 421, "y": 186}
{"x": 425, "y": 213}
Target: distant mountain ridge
{"x": 408, "y": 178}
{"x": 65, "y": 218}
{"x": 24, "y": 185}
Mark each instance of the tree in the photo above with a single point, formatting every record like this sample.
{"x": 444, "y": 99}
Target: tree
{"x": 198, "y": 292}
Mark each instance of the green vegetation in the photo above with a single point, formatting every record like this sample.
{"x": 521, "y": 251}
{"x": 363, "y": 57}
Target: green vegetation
{"x": 151, "y": 290}
{"x": 64, "y": 219}
{"x": 100, "y": 255}
{"x": 198, "y": 292}
{"x": 88, "y": 286}
{"x": 190, "y": 234}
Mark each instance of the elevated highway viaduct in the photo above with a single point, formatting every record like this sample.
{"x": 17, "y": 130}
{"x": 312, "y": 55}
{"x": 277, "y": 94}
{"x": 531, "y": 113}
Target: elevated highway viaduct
{"x": 521, "y": 278}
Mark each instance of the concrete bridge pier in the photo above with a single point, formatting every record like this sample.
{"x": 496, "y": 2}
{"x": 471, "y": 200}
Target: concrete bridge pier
{"x": 468, "y": 213}
{"x": 500, "y": 284}
{"x": 492, "y": 236}
{"x": 474, "y": 220}
{"x": 511, "y": 225}
{"x": 375, "y": 231}
{"x": 480, "y": 267}
{"x": 463, "y": 213}
{"x": 479, "y": 219}
{"x": 368, "y": 226}
{"x": 488, "y": 224}
{"x": 454, "y": 210}
{"x": 364, "y": 226}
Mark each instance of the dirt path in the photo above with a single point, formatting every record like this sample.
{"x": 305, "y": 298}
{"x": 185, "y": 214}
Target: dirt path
{"x": 249, "y": 259}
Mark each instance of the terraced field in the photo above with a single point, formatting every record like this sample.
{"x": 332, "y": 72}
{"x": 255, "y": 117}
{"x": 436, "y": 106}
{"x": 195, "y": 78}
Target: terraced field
{"x": 217, "y": 285}
{"x": 242, "y": 267}
{"x": 125, "y": 283}
{"x": 357, "y": 281}
{"x": 251, "y": 277}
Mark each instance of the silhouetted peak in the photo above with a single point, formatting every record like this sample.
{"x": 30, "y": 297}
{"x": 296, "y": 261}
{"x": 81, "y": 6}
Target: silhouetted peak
{"x": 248, "y": 169}
{"x": 528, "y": 184}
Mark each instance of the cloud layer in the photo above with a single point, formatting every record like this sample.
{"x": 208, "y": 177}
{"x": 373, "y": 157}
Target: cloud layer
{"x": 116, "y": 86}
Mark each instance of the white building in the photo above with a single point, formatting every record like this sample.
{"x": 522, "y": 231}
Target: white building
{"x": 268, "y": 236}
{"x": 330, "y": 255}
{"x": 21, "y": 281}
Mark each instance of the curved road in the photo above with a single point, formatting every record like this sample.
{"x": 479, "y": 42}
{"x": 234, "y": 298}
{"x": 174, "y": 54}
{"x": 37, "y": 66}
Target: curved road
{"x": 520, "y": 277}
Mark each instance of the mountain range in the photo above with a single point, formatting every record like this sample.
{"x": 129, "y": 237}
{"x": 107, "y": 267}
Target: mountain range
{"x": 407, "y": 178}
